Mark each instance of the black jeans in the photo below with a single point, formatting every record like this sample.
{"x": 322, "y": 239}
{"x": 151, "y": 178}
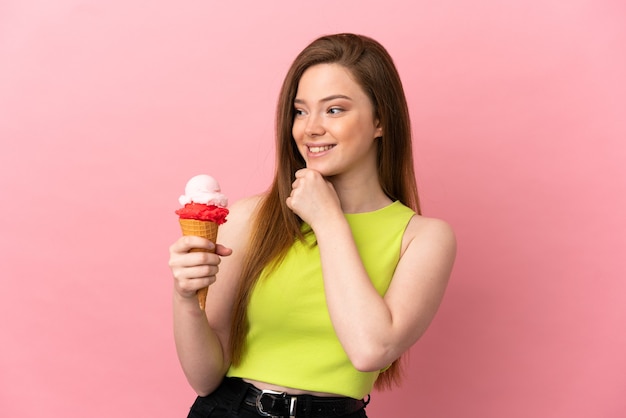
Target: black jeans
{"x": 227, "y": 401}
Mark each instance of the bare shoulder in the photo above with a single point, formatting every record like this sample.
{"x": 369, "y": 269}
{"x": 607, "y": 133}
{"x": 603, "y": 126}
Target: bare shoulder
{"x": 242, "y": 210}
{"x": 430, "y": 233}
{"x": 239, "y": 220}
{"x": 247, "y": 204}
{"x": 426, "y": 262}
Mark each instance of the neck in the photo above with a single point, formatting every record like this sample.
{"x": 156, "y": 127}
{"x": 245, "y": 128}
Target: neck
{"x": 361, "y": 195}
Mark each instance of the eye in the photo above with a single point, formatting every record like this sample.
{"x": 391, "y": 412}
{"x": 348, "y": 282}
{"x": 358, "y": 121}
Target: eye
{"x": 335, "y": 110}
{"x": 298, "y": 112}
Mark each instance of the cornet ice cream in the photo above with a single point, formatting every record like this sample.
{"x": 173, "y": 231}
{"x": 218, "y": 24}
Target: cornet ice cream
{"x": 204, "y": 209}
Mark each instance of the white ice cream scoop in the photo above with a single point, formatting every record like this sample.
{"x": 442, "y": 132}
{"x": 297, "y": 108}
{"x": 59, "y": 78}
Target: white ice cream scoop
{"x": 203, "y": 189}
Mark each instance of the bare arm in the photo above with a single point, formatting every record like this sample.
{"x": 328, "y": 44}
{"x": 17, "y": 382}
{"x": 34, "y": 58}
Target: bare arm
{"x": 202, "y": 338}
{"x": 374, "y": 331}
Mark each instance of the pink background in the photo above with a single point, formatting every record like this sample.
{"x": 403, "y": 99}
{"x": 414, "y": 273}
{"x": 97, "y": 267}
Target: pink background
{"x": 519, "y": 110}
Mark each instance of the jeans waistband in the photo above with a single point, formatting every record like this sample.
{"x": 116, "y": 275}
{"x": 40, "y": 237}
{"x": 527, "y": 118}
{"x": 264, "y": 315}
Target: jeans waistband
{"x": 282, "y": 405}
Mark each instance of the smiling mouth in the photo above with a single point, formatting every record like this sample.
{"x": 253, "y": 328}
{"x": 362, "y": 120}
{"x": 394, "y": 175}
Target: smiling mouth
{"x": 315, "y": 150}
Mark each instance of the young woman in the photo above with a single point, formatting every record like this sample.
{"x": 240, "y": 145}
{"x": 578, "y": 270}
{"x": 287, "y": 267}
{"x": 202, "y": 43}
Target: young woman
{"x": 331, "y": 275}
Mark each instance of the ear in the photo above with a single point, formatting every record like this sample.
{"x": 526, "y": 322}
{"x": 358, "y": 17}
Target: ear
{"x": 379, "y": 129}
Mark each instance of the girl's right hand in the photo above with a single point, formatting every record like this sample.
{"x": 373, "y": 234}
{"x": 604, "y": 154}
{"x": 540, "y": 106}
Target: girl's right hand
{"x": 194, "y": 270}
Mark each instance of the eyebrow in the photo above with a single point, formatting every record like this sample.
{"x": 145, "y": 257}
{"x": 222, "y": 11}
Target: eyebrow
{"x": 326, "y": 99}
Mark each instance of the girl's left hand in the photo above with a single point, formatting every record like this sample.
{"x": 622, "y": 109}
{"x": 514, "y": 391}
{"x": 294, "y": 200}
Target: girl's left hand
{"x": 313, "y": 198}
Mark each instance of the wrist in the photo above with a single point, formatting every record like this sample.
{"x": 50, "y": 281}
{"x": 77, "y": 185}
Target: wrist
{"x": 330, "y": 224}
{"x": 190, "y": 301}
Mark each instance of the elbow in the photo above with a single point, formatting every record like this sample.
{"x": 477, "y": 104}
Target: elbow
{"x": 203, "y": 391}
{"x": 204, "y": 388}
{"x": 371, "y": 359}
{"x": 366, "y": 367}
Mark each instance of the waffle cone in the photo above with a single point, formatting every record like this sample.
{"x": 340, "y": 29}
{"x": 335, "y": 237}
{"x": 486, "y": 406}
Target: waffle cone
{"x": 204, "y": 229}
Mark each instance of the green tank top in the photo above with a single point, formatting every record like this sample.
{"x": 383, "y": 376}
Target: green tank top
{"x": 290, "y": 340}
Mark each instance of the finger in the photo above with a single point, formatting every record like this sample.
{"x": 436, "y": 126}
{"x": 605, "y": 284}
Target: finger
{"x": 194, "y": 242}
{"x": 223, "y": 251}
{"x": 188, "y": 288}
{"x": 307, "y": 172}
{"x": 188, "y": 242}
{"x": 301, "y": 173}
{"x": 201, "y": 258}
{"x": 184, "y": 275}
{"x": 200, "y": 272}
{"x": 191, "y": 259}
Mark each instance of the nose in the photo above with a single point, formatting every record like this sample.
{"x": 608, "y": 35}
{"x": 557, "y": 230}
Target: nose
{"x": 314, "y": 126}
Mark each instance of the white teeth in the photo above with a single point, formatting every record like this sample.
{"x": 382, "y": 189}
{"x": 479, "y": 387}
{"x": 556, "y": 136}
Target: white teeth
{"x": 320, "y": 149}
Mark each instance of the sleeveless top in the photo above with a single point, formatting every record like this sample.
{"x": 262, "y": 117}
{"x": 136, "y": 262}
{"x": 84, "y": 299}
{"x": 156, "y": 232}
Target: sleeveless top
{"x": 290, "y": 339}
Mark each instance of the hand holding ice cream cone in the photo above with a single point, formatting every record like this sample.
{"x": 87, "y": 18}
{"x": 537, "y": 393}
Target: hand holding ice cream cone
{"x": 204, "y": 209}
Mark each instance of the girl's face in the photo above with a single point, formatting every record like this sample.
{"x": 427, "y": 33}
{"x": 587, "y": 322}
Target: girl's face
{"x": 334, "y": 126}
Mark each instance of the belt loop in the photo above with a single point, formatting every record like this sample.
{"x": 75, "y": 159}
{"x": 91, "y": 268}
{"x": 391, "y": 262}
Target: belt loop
{"x": 292, "y": 406}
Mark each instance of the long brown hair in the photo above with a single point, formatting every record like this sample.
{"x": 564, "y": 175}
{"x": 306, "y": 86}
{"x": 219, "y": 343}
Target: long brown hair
{"x": 275, "y": 225}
